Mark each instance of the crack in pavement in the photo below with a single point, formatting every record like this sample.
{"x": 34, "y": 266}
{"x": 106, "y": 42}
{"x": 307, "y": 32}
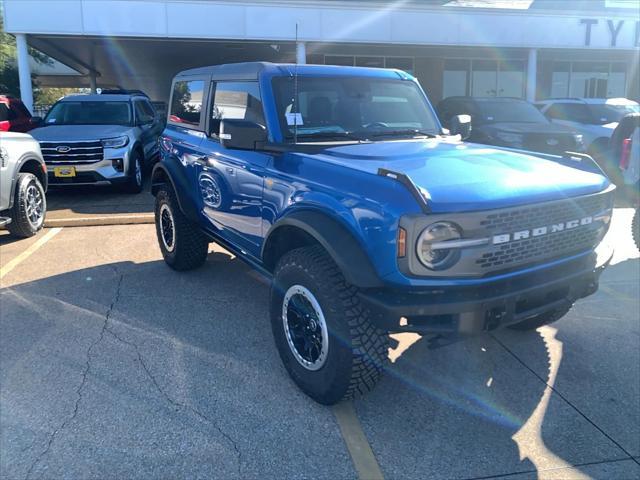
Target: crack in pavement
{"x": 177, "y": 404}
{"x": 566, "y": 400}
{"x": 83, "y": 382}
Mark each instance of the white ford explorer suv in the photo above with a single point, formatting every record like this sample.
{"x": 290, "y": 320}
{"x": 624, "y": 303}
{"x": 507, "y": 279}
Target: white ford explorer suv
{"x": 594, "y": 118}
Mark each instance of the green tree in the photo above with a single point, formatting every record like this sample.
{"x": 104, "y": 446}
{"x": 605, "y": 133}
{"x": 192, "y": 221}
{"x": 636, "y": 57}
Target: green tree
{"x": 9, "y": 83}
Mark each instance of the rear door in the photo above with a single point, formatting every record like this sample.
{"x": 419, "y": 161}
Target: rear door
{"x": 231, "y": 181}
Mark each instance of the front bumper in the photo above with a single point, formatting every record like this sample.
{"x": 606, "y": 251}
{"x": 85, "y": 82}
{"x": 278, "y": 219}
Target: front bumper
{"x": 473, "y": 310}
{"x": 102, "y": 172}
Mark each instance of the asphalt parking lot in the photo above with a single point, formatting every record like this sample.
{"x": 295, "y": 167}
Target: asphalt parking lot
{"x": 114, "y": 366}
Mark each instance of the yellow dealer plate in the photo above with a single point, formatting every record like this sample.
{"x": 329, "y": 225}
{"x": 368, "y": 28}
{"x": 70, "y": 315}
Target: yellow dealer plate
{"x": 64, "y": 172}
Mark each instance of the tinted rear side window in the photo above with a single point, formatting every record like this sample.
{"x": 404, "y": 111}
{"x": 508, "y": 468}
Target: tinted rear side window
{"x": 186, "y": 102}
{"x": 573, "y": 112}
{"x": 4, "y": 112}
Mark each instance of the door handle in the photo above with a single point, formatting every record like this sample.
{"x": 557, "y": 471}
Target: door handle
{"x": 230, "y": 170}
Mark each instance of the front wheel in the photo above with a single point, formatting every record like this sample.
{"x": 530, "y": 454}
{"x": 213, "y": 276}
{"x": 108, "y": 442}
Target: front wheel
{"x": 183, "y": 245}
{"x": 323, "y": 335}
{"x": 29, "y": 207}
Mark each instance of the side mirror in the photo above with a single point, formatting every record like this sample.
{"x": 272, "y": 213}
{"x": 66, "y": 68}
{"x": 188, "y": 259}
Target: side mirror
{"x": 241, "y": 134}
{"x": 461, "y": 125}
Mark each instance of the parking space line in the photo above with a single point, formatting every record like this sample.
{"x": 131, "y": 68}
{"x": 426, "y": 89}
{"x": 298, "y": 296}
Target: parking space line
{"x": 28, "y": 252}
{"x": 359, "y": 448}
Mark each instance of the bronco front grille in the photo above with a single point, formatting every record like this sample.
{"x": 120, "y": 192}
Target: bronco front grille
{"x": 555, "y": 245}
{"x": 545, "y": 214}
{"x": 549, "y": 246}
{"x": 78, "y": 153}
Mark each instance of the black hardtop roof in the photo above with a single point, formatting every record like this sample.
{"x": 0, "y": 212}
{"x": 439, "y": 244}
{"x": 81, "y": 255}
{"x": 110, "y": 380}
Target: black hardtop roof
{"x": 245, "y": 70}
{"x": 251, "y": 70}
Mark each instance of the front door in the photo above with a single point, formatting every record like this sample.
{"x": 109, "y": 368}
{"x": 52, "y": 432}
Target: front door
{"x": 231, "y": 182}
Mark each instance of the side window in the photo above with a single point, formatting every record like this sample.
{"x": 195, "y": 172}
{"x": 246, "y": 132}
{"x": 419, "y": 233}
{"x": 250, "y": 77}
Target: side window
{"x": 186, "y": 102}
{"x": 555, "y": 111}
{"x": 144, "y": 112}
{"x": 236, "y": 100}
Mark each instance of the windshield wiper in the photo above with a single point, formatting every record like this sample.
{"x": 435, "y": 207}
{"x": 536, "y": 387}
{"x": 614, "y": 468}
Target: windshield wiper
{"x": 413, "y": 132}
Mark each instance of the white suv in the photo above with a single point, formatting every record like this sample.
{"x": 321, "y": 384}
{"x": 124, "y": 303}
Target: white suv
{"x": 594, "y": 118}
{"x": 23, "y": 183}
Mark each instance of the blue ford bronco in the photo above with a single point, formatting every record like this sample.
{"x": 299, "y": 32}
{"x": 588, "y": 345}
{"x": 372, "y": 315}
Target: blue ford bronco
{"x": 340, "y": 185}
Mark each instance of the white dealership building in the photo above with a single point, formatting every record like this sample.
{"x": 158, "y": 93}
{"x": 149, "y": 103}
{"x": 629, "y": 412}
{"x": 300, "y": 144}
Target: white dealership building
{"x": 523, "y": 48}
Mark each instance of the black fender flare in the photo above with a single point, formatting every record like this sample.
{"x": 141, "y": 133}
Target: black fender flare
{"x": 339, "y": 243}
{"x": 180, "y": 184}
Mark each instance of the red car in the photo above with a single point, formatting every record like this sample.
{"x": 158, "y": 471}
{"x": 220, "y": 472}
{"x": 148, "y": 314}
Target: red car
{"x": 14, "y": 116}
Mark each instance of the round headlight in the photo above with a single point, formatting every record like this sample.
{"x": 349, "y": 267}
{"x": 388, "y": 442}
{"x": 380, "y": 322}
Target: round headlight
{"x": 430, "y": 251}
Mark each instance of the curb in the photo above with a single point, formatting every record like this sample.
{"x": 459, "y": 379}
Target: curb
{"x": 96, "y": 221}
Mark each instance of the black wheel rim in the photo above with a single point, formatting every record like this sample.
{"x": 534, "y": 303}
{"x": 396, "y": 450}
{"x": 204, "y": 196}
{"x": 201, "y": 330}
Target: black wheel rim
{"x": 167, "y": 228}
{"x": 305, "y": 327}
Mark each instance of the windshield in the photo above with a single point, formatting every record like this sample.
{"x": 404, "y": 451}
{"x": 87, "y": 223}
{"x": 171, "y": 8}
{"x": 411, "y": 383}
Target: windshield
{"x": 510, "y": 112}
{"x": 89, "y": 113}
{"x": 352, "y": 107}
{"x": 612, "y": 113}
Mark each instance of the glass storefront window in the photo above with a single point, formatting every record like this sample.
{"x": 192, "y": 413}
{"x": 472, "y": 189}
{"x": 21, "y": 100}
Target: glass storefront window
{"x": 375, "y": 62}
{"x": 588, "y": 79}
{"x": 560, "y": 80}
{"x": 511, "y": 79}
{"x": 455, "y": 79}
{"x": 617, "y": 80}
{"x": 342, "y": 60}
{"x": 484, "y": 78}
{"x": 401, "y": 63}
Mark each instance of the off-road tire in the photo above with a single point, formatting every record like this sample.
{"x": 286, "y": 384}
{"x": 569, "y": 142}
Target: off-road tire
{"x": 542, "y": 319}
{"x": 635, "y": 228}
{"x": 21, "y": 226}
{"x": 134, "y": 183}
{"x": 190, "y": 245}
{"x": 357, "y": 350}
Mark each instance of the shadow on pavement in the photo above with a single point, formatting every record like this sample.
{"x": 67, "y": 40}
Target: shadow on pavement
{"x": 97, "y": 200}
{"x": 135, "y": 371}
{"x": 483, "y": 407}
{"x": 138, "y": 371}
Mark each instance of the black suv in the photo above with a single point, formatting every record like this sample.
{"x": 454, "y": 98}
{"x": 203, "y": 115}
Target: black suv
{"x": 510, "y": 122}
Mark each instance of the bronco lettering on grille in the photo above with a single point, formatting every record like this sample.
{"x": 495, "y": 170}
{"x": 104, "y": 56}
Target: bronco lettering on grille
{"x": 539, "y": 231}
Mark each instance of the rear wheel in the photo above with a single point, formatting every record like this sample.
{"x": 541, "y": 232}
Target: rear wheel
{"x": 29, "y": 206}
{"x": 542, "y": 319}
{"x": 323, "y": 334}
{"x": 182, "y": 243}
